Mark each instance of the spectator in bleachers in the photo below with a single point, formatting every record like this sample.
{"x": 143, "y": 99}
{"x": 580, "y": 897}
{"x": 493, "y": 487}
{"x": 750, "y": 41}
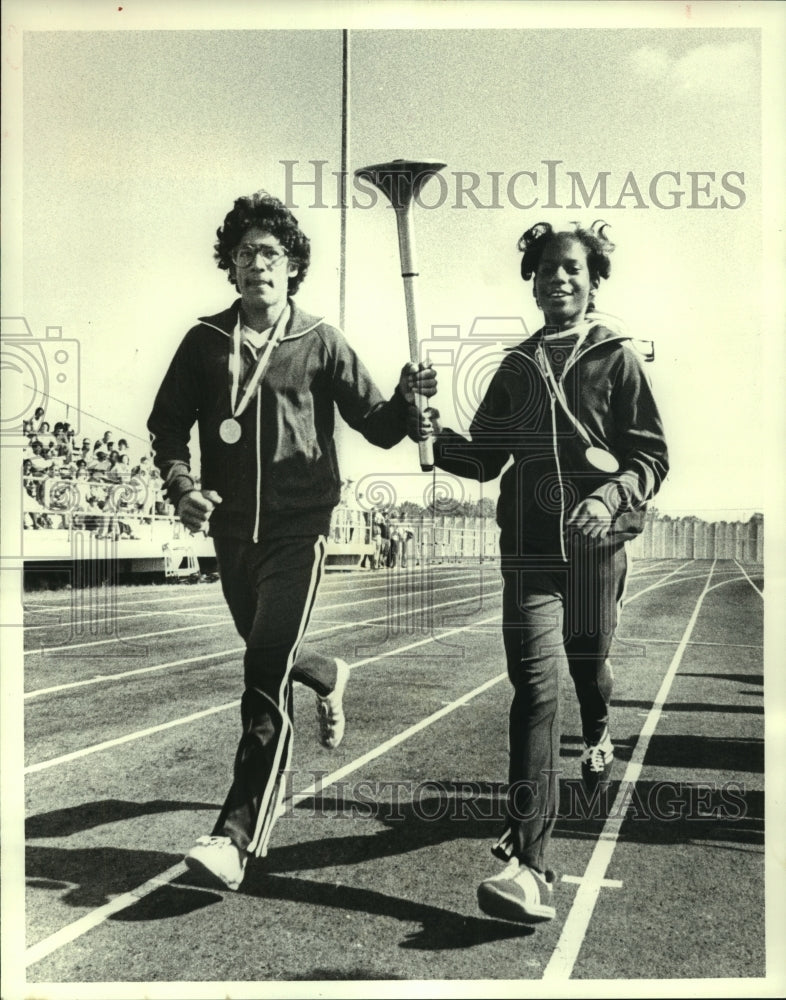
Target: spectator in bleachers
{"x": 376, "y": 541}
{"x": 38, "y": 418}
{"x": 99, "y": 463}
{"x": 98, "y": 494}
{"x": 144, "y": 469}
{"x": 53, "y": 497}
{"x": 384, "y": 541}
{"x": 122, "y": 467}
{"x": 33, "y": 513}
{"x": 396, "y": 538}
{"x": 80, "y": 499}
{"x": 38, "y": 460}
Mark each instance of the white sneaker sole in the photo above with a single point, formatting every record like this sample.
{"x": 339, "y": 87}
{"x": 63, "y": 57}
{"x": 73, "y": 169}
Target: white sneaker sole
{"x": 336, "y": 695}
{"x": 204, "y": 872}
{"x": 495, "y": 901}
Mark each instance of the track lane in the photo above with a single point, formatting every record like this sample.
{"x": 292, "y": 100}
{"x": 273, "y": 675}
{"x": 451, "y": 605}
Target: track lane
{"x": 468, "y": 630}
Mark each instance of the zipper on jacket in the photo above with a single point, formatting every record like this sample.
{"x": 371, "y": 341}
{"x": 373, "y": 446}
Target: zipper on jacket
{"x": 259, "y": 469}
{"x": 555, "y": 448}
{"x": 560, "y": 483}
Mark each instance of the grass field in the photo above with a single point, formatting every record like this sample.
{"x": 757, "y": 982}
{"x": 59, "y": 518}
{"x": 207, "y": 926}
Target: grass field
{"x": 131, "y": 721}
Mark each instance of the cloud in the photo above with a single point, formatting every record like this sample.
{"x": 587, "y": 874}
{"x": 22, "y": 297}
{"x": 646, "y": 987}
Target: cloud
{"x": 650, "y": 63}
{"x": 717, "y": 72}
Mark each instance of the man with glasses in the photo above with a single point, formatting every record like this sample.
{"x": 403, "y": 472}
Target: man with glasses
{"x": 263, "y": 379}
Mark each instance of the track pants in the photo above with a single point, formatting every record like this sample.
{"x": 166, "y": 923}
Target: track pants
{"x": 554, "y": 614}
{"x": 270, "y": 587}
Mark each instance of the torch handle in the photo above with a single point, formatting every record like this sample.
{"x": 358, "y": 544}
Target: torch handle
{"x": 406, "y": 246}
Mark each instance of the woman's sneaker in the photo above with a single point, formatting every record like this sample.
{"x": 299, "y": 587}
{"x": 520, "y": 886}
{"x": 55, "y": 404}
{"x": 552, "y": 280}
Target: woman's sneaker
{"x": 330, "y": 710}
{"x": 597, "y": 761}
{"x": 518, "y": 893}
{"x": 218, "y": 858}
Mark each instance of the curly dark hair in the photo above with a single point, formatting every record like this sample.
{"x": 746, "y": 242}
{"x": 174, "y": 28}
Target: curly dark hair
{"x": 598, "y": 247}
{"x": 263, "y": 211}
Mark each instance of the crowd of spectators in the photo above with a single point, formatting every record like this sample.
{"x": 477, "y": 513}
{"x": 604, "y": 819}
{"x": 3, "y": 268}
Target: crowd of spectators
{"x": 93, "y": 485}
{"x": 391, "y": 540}
{"x": 386, "y": 530}
{"x": 96, "y": 485}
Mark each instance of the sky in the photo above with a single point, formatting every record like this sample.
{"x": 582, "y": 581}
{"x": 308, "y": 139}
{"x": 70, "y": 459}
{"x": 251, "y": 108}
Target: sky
{"x": 135, "y": 143}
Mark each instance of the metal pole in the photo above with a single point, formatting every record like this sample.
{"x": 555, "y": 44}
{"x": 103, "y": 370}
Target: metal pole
{"x": 342, "y": 281}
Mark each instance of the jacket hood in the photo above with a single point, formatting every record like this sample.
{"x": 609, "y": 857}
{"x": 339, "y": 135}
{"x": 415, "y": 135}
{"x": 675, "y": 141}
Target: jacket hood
{"x": 300, "y": 322}
{"x": 599, "y": 333}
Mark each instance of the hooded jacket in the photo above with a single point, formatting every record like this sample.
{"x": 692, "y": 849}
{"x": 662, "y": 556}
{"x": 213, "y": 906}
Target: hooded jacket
{"x": 608, "y": 392}
{"x": 282, "y": 476}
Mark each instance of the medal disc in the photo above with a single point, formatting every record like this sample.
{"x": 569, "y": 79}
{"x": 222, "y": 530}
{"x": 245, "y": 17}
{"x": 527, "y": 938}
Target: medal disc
{"x": 602, "y": 460}
{"x": 229, "y": 431}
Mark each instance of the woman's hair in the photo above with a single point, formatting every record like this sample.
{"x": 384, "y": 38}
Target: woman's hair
{"x": 261, "y": 210}
{"x": 598, "y": 247}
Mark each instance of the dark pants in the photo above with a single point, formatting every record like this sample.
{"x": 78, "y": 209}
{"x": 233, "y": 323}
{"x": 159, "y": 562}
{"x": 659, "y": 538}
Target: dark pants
{"x": 270, "y": 587}
{"x": 554, "y": 614}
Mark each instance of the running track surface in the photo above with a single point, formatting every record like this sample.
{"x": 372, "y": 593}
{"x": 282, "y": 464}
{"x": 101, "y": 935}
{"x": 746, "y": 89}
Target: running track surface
{"x": 131, "y": 720}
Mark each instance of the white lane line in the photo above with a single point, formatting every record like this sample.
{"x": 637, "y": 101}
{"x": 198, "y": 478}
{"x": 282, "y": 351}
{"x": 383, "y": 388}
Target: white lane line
{"x": 79, "y": 927}
{"x": 140, "y": 734}
{"x": 658, "y": 583}
{"x": 90, "y": 920}
{"x": 607, "y": 883}
{"x": 342, "y": 772}
{"x": 124, "y": 615}
{"x": 663, "y": 584}
{"x": 147, "y": 635}
{"x": 311, "y": 634}
{"x": 566, "y": 952}
{"x": 129, "y": 738}
{"x": 759, "y": 592}
{"x": 124, "y": 640}
{"x": 199, "y": 610}
{"x": 673, "y": 642}
{"x": 95, "y": 917}
{"x": 129, "y": 640}
{"x": 103, "y": 678}
{"x": 329, "y": 583}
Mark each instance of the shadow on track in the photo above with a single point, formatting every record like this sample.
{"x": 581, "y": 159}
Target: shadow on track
{"x": 88, "y": 815}
{"x": 90, "y": 877}
{"x": 441, "y": 929}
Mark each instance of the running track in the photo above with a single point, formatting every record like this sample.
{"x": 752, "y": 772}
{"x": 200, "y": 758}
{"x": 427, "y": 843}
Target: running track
{"x": 130, "y": 725}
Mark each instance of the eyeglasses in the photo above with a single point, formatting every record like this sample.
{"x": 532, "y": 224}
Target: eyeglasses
{"x": 245, "y": 256}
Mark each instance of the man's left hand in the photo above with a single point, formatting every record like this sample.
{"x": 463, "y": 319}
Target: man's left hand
{"x": 591, "y": 517}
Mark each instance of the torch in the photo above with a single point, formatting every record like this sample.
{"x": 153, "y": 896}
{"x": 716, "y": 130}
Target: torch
{"x": 401, "y": 181}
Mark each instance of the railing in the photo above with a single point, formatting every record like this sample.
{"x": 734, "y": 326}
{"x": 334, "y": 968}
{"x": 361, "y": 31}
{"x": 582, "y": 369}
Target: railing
{"x": 428, "y": 539}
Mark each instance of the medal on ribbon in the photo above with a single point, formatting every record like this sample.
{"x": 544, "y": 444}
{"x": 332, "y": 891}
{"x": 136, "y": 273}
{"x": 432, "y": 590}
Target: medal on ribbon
{"x": 598, "y": 458}
{"x": 230, "y": 430}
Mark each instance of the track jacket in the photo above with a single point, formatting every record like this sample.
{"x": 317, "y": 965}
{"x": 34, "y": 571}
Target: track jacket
{"x": 282, "y": 476}
{"x": 609, "y": 393}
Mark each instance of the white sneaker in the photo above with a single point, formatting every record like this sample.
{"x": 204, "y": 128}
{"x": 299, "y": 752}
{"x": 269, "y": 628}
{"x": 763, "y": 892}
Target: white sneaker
{"x": 330, "y": 710}
{"x": 516, "y": 893}
{"x": 219, "y": 858}
{"x": 597, "y": 761}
